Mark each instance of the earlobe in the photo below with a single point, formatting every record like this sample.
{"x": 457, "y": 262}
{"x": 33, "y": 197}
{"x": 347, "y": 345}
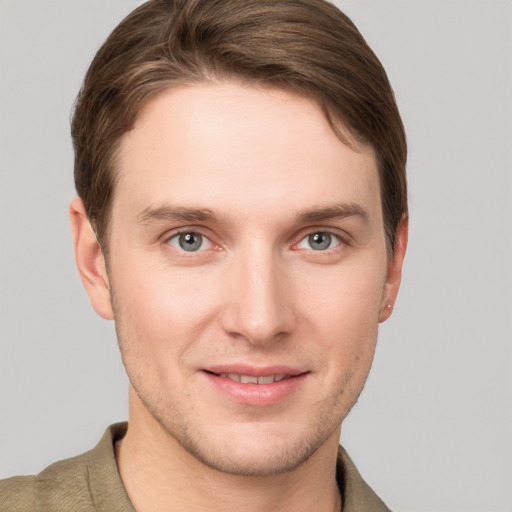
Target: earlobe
{"x": 90, "y": 260}
{"x": 394, "y": 274}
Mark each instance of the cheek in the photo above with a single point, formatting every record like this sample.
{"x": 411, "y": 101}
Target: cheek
{"x": 343, "y": 318}
{"x": 161, "y": 310}
{"x": 348, "y": 297}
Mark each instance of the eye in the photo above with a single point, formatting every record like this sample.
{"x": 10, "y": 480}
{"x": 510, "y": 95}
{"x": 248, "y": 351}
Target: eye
{"x": 319, "y": 241}
{"x": 190, "y": 241}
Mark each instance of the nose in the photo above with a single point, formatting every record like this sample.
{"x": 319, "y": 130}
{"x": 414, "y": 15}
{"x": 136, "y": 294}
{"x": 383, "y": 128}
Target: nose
{"x": 258, "y": 298}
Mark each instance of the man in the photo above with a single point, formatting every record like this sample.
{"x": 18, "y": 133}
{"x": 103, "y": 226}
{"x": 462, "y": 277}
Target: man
{"x": 242, "y": 217}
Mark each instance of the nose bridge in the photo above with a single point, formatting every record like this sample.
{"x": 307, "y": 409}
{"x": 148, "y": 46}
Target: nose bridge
{"x": 258, "y": 306}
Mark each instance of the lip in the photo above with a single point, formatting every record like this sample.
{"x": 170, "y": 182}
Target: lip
{"x": 256, "y": 394}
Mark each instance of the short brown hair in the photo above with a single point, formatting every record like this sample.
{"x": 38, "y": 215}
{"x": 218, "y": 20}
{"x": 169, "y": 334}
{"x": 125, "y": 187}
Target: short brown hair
{"x": 305, "y": 46}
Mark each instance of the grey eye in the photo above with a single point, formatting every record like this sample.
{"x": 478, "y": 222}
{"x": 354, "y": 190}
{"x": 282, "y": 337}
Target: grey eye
{"x": 190, "y": 241}
{"x": 320, "y": 241}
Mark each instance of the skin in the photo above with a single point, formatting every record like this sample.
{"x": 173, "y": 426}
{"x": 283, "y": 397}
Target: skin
{"x": 254, "y": 173}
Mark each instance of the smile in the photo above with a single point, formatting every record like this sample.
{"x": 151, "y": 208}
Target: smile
{"x": 252, "y": 379}
{"x": 256, "y": 387}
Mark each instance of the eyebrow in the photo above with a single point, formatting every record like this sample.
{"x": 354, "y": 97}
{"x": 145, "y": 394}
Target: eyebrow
{"x": 335, "y": 211}
{"x": 186, "y": 214}
{"x": 175, "y": 213}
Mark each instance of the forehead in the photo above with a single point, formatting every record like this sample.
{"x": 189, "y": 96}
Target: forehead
{"x": 232, "y": 146}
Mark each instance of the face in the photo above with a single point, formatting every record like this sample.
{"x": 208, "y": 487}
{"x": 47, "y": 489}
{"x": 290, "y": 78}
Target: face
{"x": 248, "y": 273}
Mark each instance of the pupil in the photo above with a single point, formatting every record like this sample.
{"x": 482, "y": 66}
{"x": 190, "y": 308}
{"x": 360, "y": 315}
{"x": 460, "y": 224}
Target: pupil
{"x": 320, "y": 241}
{"x": 190, "y": 241}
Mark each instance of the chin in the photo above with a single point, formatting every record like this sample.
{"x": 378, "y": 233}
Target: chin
{"x": 254, "y": 449}
{"x": 249, "y": 459}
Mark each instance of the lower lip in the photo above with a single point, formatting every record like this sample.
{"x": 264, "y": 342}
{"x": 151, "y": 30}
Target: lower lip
{"x": 257, "y": 394}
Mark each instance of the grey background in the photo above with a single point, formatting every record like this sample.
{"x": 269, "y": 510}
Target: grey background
{"x": 432, "y": 431}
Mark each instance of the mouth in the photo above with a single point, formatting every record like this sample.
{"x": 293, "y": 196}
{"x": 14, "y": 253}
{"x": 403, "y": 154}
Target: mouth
{"x": 253, "y": 379}
{"x": 257, "y": 387}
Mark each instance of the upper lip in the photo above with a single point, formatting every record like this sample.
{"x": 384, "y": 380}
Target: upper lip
{"x": 255, "y": 371}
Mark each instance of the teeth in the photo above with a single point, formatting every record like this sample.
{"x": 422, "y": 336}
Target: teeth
{"x": 268, "y": 379}
{"x": 250, "y": 379}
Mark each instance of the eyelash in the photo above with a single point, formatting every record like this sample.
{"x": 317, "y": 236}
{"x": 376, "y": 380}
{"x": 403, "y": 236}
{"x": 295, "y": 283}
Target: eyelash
{"x": 332, "y": 238}
{"x": 184, "y": 233}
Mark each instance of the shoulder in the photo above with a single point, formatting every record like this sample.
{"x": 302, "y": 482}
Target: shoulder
{"x": 84, "y": 483}
{"x": 357, "y": 494}
{"x": 61, "y": 486}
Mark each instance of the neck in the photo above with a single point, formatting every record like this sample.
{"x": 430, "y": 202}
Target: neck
{"x": 160, "y": 475}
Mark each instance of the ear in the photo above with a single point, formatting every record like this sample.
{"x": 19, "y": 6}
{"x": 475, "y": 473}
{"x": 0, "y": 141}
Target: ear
{"x": 394, "y": 274}
{"x": 90, "y": 260}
